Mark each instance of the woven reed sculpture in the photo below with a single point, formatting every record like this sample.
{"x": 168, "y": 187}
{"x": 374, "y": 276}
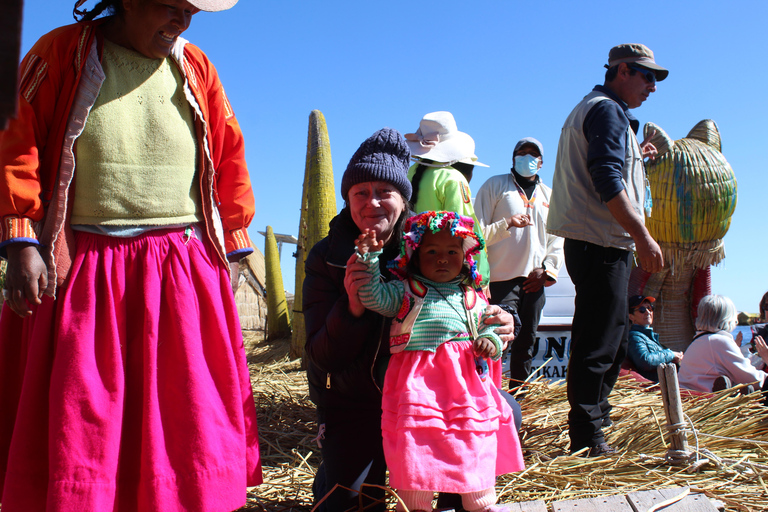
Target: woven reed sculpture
{"x": 694, "y": 197}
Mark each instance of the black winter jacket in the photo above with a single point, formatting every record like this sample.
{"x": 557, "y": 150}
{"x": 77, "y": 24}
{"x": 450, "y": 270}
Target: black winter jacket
{"x": 347, "y": 356}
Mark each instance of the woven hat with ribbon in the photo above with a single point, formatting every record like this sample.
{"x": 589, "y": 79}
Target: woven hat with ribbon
{"x": 460, "y": 226}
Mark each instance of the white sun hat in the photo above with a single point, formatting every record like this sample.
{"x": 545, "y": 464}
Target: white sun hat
{"x": 213, "y": 5}
{"x": 439, "y": 140}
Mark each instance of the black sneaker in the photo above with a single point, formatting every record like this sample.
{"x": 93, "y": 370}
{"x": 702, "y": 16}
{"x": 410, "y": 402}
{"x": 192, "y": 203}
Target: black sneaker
{"x": 601, "y": 450}
{"x": 721, "y": 383}
{"x": 595, "y": 451}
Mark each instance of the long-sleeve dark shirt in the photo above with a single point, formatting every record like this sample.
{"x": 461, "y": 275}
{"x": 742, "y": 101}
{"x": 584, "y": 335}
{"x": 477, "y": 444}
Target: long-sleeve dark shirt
{"x": 605, "y": 128}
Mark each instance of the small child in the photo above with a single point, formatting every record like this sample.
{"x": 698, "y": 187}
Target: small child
{"x": 445, "y": 426}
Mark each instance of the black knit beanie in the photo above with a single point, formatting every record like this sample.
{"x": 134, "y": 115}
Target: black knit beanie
{"x": 384, "y": 156}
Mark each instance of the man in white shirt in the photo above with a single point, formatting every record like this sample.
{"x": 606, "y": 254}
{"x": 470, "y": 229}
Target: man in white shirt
{"x": 523, "y": 259}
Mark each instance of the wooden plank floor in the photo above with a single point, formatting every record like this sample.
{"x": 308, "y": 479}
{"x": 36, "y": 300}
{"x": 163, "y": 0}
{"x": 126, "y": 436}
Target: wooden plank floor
{"x": 644, "y": 500}
{"x": 641, "y": 501}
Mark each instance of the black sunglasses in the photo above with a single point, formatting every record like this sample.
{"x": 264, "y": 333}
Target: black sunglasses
{"x": 643, "y": 309}
{"x": 649, "y": 75}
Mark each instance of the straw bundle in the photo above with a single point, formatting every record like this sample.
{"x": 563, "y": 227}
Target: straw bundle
{"x": 278, "y": 321}
{"x": 733, "y": 469}
{"x": 672, "y": 319}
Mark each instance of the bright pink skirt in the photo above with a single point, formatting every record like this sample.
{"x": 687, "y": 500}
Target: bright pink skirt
{"x": 445, "y": 428}
{"x": 131, "y": 391}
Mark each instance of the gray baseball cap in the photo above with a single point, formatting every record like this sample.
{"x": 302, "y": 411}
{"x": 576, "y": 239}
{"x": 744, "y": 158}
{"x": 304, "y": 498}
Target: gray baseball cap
{"x": 636, "y": 53}
{"x": 529, "y": 140}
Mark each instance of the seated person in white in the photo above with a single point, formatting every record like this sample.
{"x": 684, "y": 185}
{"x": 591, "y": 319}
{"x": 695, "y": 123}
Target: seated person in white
{"x": 714, "y": 355}
{"x": 644, "y": 349}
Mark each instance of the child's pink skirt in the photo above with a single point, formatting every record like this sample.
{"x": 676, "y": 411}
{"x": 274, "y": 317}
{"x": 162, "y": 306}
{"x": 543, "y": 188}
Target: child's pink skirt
{"x": 131, "y": 391}
{"x": 445, "y": 428}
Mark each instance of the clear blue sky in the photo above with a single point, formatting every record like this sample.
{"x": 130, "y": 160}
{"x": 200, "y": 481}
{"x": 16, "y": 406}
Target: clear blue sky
{"x": 506, "y": 69}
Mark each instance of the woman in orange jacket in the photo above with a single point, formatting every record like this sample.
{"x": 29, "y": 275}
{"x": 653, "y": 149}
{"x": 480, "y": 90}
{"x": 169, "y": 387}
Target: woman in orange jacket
{"x": 125, "y": 201}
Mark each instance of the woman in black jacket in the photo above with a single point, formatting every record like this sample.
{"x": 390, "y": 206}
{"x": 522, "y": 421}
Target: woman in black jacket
{"x": 347, "y": 346}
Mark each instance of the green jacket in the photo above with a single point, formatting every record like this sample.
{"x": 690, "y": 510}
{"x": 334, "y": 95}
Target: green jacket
{"x": 446, "y": 189}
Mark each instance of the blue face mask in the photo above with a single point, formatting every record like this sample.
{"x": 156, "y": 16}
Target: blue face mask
{"x": 526, "y": 165}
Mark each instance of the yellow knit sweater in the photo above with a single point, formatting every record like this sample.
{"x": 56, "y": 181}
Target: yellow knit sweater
{"x": 136, "y": 158}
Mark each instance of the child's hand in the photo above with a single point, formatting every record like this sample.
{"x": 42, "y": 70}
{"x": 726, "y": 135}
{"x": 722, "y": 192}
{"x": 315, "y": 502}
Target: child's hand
{"x": 483, "y": 347}
{"x": 367, "y": 242}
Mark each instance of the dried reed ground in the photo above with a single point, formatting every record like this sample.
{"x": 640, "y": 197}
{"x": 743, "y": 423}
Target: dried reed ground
{"x": 732, "y": 432}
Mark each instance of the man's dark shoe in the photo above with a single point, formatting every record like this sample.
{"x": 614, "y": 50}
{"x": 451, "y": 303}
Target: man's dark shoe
{"x": 601, "y": 450}
{"x": 721, "y": 383}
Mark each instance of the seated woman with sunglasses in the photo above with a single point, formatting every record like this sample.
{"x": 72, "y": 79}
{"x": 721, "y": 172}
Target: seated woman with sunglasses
{"x": 714, "y": 361}
{"x": 644, "y": 349}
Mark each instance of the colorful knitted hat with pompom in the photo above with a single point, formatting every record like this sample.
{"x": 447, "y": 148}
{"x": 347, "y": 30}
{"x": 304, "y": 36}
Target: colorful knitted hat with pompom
{"x": 460, "y": 226}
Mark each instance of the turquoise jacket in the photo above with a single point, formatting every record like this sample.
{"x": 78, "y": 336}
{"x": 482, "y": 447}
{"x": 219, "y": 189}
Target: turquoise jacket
{"x": 646, "y": 353}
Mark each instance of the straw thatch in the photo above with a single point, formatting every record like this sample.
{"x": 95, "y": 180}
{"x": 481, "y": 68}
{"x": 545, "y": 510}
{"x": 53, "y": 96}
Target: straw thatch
{"x": 731, "y": 439}
{"x": 251, "y": 297}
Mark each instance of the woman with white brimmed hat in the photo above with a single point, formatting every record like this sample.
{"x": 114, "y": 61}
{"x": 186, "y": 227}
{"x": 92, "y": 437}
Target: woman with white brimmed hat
{"x": 125, "y": 202}
{"x": 445, "y": 158}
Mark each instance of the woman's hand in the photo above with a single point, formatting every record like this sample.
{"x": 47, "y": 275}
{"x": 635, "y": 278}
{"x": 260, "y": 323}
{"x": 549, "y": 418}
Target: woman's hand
{"x": 739, "y": 338}
{"x": 483, "y": 347}
{"x": 678, "y": 357}
{"x": 495, "y": 315}
{"x": 355, "y": 277}
{"x": 762, "y": 349}
{"x": 26, "y": 278}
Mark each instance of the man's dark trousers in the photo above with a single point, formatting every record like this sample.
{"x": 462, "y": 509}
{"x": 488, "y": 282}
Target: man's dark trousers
{"x": 598, "y": 335}
{"x": 528, "y": 306}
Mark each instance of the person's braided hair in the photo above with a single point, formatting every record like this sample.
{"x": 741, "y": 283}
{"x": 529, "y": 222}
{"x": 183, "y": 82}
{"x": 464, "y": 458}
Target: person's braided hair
{"x": 105, "y": 7}
{"x": 464, "y": 168}
{"x": 415, "y": 180}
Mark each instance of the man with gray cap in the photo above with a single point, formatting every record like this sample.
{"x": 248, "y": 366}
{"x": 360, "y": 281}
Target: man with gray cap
{"x": 523, "y": 257}
{"x": 600, "y": 192}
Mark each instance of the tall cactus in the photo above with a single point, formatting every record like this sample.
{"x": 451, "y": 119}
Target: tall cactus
{"x": 278, "y": 324}
{"x": 318, "y": 207}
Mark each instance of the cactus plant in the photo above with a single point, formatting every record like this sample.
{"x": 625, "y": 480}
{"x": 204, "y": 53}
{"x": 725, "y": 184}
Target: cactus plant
{"x": 318, "y": 207}
{"x": 278, "y": 324}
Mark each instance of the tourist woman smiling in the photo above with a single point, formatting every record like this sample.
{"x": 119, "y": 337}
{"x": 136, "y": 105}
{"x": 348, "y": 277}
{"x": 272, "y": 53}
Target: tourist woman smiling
{"x": 347, "y": 345}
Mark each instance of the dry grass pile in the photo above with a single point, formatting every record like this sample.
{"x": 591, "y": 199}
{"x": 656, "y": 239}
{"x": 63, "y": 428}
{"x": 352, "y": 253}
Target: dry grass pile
{"x": 287, "y": 427}
{"x": 730, "y": 432}
{"x": 731, "y": 435}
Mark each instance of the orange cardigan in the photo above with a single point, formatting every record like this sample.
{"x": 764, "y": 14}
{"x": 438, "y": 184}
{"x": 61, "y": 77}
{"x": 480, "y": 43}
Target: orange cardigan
{"x": 35, "y": 178}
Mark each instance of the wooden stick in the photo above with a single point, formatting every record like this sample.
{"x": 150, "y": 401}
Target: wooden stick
{"x": 678, "y": 452}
